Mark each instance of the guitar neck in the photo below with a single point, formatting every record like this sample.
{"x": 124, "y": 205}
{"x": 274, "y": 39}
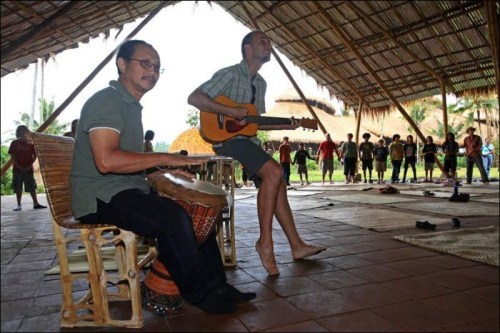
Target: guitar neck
{"x": 268, "y": 120}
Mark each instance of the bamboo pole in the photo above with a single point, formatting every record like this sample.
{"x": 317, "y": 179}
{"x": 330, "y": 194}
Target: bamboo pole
{"x": 89, "y": 78}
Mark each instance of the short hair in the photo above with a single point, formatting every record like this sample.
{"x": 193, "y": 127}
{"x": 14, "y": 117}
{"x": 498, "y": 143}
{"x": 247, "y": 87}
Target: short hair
{"x": 149, "y": 135}
{"x": 246, "y": 40}
{"x": 381, "y": 141}
{"x": 366, "y": 135}
{"x": 20, "y": 130}
{"x": 350, "y": 134}
{"x": 430, "y": 139}
{"x": 396, "y": 136}
{"x": 127, "y": 49}
{"x": 285, "y": 138}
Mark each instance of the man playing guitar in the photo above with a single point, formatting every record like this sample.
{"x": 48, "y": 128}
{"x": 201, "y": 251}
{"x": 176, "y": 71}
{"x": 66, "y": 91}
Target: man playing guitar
{"x": 241, "y": 83}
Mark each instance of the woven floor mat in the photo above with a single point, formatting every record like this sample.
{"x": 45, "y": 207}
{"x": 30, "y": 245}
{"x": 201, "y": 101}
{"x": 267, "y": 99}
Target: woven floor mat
{"x": 437, "y": 194}
{"x": 297, "y": 203}
{"x": 452, "y": 208}
{"x": 374, "y": 219}
{"x": 478, "y": 244}
{"x": 374, "y": 198}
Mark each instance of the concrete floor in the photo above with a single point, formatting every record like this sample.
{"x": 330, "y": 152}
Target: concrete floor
{"x": 364, "y": 281}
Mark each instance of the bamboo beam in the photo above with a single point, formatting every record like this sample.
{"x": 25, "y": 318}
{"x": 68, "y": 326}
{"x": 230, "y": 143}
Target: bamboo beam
{"x": 445, "y": 109}
{"x": 282, "y": 65}
{"x": 89, "y": 78}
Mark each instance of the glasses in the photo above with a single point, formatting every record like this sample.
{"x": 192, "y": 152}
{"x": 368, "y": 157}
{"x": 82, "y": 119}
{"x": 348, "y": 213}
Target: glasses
{"x": 146, "y": 64}
{"x": 254, "y": 90}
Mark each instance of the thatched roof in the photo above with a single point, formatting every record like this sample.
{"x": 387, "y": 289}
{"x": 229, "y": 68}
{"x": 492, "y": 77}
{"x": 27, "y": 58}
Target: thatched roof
{"x": 369, "y": 50}
{"x": 191, "y": 141}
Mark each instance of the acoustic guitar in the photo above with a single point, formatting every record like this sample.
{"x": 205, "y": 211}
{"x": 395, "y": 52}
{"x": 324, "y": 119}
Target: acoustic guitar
{"x": 217, "y": 128}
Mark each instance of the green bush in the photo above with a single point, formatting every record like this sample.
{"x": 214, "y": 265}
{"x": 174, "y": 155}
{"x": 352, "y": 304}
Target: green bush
{"x": 6, "y": 188}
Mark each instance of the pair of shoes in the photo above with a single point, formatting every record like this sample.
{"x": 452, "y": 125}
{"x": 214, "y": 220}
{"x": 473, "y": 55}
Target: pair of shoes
{"x": 233, "y": 295}
{"x": 425, "y": 225}
{"x": 455, "y": 222}
{"x": 460, "y": 197}
{"x": 388, "y": 189}
{"x": 38, "y": 206}
{"x": 18, "y": 208}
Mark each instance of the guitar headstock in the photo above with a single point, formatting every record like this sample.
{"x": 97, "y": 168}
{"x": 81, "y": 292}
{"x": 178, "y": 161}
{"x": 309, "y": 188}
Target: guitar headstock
{"x": 309, "y": 123}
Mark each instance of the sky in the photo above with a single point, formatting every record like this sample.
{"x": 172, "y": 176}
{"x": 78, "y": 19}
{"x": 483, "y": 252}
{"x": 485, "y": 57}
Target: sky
{"x": 193, "y": 42}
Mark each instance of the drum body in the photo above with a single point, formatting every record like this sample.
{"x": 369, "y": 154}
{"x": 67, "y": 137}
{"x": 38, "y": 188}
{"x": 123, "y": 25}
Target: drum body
{"x": 204, "y": 202}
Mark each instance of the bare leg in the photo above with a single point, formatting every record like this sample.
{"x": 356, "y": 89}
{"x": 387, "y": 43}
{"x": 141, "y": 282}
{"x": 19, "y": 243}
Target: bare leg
{"x": 19, "y": 196}
{"x": 272, "y": 200}
{"x": 272, "y": 182}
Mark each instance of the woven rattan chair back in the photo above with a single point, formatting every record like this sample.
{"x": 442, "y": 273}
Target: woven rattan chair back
{"x": 103, "y": 244}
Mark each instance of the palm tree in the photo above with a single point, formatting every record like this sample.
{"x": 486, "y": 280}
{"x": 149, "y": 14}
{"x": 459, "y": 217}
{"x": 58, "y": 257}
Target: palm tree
{"x": 46, "y": 110}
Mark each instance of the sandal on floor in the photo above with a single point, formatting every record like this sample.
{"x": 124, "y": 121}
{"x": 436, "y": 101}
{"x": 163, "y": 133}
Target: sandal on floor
{"x": 455, "y": 222}
{"x": 425, "y": 225}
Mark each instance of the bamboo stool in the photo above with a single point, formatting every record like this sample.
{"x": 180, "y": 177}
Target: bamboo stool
{"x": 105, "y": 286}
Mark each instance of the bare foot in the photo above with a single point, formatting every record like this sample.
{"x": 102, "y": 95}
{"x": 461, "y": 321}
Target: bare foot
{"x": 268, "y": 260}
{"x": 306, "y": 251}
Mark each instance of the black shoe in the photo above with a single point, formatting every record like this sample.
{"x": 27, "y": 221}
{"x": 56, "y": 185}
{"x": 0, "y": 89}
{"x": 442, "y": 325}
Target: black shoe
{"x": 38, "y": 206}
{"x": 216, "y": 304}
{"x": 425, "y": 225}
{"x": 231, "y": 294}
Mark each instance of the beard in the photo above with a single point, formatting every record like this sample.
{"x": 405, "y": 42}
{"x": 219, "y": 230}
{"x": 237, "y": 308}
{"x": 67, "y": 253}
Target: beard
{"x": 265, "y": 58}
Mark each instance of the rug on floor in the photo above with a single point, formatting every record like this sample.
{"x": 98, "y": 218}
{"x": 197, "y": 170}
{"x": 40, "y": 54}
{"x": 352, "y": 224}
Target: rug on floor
{"x": 478, "y": 244}
{"x": 451, "y": 208}
{"x": 373, "y": 218}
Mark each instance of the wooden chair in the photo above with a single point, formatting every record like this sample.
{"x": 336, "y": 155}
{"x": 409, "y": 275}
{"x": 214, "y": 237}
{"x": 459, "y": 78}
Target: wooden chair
{"x": 105, "y": 286}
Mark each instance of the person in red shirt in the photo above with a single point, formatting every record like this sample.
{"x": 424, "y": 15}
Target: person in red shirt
{"x": 23, "y": 156}
{"x": 285, "y": 151}
{"x": 325, "y": 152}
{"x": 473, "y": 145}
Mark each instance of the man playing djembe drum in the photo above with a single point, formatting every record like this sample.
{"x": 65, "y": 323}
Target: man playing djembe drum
{"x": 108, "y": 183}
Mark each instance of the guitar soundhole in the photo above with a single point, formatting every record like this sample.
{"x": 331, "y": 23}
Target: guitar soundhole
{"x": 233, "y": 127}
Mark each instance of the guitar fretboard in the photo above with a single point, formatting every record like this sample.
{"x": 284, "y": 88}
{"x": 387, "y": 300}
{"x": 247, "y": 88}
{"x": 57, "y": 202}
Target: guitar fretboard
{"x": 268, "y": 120}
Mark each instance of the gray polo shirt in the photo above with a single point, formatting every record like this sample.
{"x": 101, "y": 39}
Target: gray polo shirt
{"x": 112, "y": 107}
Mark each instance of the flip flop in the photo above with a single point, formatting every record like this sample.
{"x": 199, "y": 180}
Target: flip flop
{"x": 425, "y": 225}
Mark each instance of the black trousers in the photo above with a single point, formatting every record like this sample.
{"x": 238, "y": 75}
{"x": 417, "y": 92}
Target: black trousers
{"x": 194, "y": 268}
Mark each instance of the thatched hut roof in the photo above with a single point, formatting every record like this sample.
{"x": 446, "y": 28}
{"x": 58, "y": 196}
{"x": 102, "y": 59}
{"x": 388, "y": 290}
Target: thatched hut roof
{"x": 191, "y": 141}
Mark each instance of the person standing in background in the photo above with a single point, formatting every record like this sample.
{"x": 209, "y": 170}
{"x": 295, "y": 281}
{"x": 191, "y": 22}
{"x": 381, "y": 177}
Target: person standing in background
{"x": 350, "y": 155}
{"x": 450, "y": 149}
{"x": 72, "y": 133}
{"x": 325, "y": 154}
{"x": 396, "y": 152}
{"x": 410, "y": 154}
{"x": 473, "y": 144}
{"x": 285, "y": 151}
{"x": 429, "y": 151}
{"x": 366, "y": 156}
{"x": 300, "y": 158}
{"x": 487, "y": 152}
{"x": 148, "y": 144}
{"x": 381, "y": 153}
{"x": 23, "y": 156}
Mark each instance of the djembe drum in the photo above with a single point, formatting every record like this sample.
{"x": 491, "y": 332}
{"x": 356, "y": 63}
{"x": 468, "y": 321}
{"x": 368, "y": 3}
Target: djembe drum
{"x": 204, "y": 203}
